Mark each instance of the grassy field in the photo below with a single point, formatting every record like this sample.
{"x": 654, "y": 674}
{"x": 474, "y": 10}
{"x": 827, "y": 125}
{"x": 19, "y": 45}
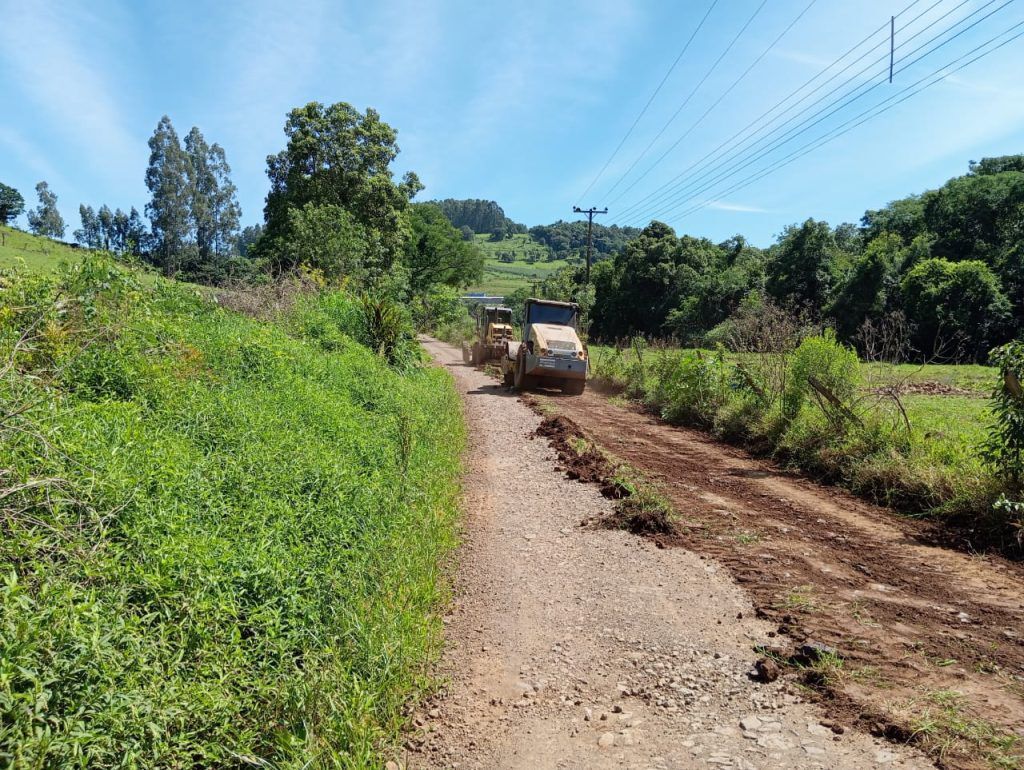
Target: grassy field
{"x": 221, "y": 537}
{"x": 33, "y": 253}
{"x": 502, "y": 278}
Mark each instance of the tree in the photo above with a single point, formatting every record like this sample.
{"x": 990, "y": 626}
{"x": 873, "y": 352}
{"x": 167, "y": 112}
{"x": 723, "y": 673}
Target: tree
{"x": 959, "y": 304}
{"x": 802, "y": 269}
{"x": 89, "y": 235}
{"x": 871, "y": 287}
{"x": 467, "y": 233}
{"x": 46, "y": 219}
{"x": 11, "y": 204}
{"x": 247, "y": 238}
{"x": 905, "y": 217}
{"x": 327, "y": 238}
{"x": 436, "y": 252}
{"x": 167, "y": 179}
{"x": 105, "y": 218}
{"x": 214, "y": 211}
{"x": 338, "y": 156}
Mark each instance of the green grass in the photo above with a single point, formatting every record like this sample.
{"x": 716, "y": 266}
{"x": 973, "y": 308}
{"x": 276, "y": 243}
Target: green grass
{"x": 221, "y": 538}
{"x": 33, "y": 253}
{"x": 37, "y": 255}
{"x": 503, "y": 278}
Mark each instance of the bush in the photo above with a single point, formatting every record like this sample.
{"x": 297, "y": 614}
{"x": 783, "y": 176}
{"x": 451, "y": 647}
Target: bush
{"x": 821, "y": 361}
{"x": 229, "y": 557}
{"x": 1004, "y": 450}
{"x": 689, "y": 386}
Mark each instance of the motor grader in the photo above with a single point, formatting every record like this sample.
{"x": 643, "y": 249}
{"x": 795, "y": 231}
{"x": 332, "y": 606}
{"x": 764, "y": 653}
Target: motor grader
{"x": 550, "y": 354}
{"x": 493, "y": 334}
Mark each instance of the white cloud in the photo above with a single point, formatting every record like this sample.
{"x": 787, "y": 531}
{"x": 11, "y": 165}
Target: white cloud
{"x": 742, "y": 207}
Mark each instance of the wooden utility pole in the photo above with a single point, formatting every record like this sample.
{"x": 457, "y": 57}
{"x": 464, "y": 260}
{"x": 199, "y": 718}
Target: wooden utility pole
{"x": 590, "y": 230}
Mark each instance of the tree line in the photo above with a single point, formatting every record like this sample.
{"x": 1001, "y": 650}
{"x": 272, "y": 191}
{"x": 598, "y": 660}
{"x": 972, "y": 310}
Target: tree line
{"x": 334, "y": 208}
{"x": 948, "y": 265}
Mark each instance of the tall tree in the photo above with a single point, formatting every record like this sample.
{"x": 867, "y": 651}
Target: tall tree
{"x": 11, "y": 204}
{"x": 106, "y": 221}
{"x": 339, "y": 156}
{"x": 167, "y": 179}
{"x": 214, "y": 207}
{"x": 802, "y": 269}
{"x": 89, "y": 235}
{"x": 46, "y": 219}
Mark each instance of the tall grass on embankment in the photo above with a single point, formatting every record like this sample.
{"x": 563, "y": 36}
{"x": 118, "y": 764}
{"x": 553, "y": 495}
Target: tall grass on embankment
{"x": 221, "y": 537}
{"x": 817, "y": 408}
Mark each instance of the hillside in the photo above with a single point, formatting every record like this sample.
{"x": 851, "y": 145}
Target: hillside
{"x": 516, "y": 262}
{"x": 220, "y": 535}
{"x": 33, "y": 253}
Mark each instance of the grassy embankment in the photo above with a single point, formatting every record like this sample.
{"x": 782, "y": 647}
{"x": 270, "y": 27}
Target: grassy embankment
{"x": 32, "y": 254}
{"x": 502, "y": 278}
{"x": 934, "y": 469}
{"x": 221, "y": 537}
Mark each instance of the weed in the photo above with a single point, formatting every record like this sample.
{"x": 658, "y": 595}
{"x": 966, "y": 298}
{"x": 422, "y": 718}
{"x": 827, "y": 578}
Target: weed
{"x": 800, "y": 598}
{"x": 942, "y": 721}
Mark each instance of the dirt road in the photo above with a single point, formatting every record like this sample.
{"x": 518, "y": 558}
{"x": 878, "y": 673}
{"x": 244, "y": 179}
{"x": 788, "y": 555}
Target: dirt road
{"x": 579, "y": 647}
{"x": 931, "y": 639}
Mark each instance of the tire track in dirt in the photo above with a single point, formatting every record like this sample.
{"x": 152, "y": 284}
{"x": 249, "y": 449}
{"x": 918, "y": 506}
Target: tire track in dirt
{"x": 577, "y": 647}
{"x": 912, "y": 620}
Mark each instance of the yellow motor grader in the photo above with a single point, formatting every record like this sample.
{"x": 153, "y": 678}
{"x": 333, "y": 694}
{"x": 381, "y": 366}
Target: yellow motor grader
{"x": 493, "y": 334}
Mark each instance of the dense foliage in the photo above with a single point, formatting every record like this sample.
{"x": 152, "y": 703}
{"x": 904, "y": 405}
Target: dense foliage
{"x": 220, "y": 536}
{"x": 338, "y": 156}
{"x": 568, "y": 240}
{"x": 950, "y": 262}
{"x": 480, "y": 216}
{"x": 11, "y": 204}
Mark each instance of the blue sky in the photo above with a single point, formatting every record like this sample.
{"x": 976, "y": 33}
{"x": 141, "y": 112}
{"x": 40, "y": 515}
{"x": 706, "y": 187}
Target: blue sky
{"x": 521, "y": 102}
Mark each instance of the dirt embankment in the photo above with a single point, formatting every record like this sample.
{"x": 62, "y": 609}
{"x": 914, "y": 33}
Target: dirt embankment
{"x": 928, "y": 642}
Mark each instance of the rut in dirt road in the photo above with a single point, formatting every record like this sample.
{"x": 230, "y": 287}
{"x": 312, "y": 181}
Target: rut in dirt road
{"x": 931, "y": 640}
{"x": 576, "y": 647}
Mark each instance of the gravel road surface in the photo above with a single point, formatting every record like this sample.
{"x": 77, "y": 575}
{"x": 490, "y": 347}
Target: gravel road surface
{"x": 577, "y": 647}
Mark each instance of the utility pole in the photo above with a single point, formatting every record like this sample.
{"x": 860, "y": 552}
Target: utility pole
{"x": 590, "y": 230}
{"x": 892, "y": 44}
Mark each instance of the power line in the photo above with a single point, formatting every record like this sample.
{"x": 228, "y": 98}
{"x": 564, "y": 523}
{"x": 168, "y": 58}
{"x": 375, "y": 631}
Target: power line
{"x": 873, "y": 112}
{"x": 783, "y": 101}
{"x": 719, "y": 100}
{"x": 755, "y": 148}
{"x": 689, "y": 96}
{"x": 649, "y": 101}
{"x": 686, "y": 191}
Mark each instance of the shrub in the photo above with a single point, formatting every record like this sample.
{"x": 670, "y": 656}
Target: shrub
{"x": 1004, "y": 450}
{"x": 823, "y": 362}
{"x": 689, "y": 386}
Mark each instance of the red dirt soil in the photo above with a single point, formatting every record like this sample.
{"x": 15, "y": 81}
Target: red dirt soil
{"x": 910, "y": 619}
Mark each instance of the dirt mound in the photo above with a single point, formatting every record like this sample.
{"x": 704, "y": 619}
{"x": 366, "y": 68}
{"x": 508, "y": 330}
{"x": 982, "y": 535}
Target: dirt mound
{"x": 579, "y": 457}
{"x": 927, "y": 388}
